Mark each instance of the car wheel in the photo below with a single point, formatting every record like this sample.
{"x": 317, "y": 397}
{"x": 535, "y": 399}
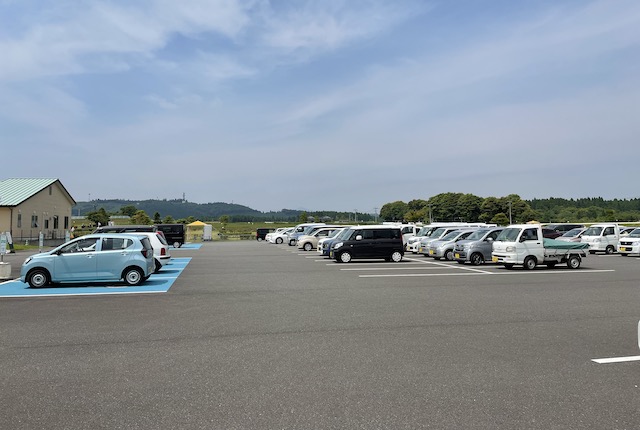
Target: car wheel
{"x": 448, "y": 255}
{"x": 551, "y": 264}
{"x": 259, "y": 239}
{"x": 530, "y": 263}
{"x": 279, "y": 240}
{"x": 176, "y": 244}
{"x": 610, "y": 250}
{"x": 574, "y": 262}
{"x": 133, "y": 276}
{"x": 158, "y": 267}
{"x": 508, "y": 266}
{"x": 345, "y": 257}
{"x": 307, "y": 246}
{"x": 38, "y": 278}
{"x": 396, "y": 256}
{"x": 624, "y": 255}
{"x": 477, "y": 259}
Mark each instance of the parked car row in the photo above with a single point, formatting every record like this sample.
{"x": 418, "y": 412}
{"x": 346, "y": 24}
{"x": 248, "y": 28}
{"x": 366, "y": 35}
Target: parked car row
{"x": 345, "y": 243}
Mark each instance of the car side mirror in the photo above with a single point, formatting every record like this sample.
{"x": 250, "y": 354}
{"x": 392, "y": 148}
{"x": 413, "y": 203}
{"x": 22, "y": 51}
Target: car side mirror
{"x": 359, "y": 237}
{"x": 489, "y": 239}
{"x": 522, "y": 239}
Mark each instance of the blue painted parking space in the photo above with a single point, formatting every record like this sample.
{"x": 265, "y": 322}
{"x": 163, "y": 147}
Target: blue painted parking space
{"x": 189, "y": 246}
{"x": 158, "y": 283}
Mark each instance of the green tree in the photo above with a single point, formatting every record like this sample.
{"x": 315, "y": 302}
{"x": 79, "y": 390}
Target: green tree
{"x": 156, "y": 218}
{"x": 168, "y": 220}
{"x": 394, "y": 211}
{"x": 303, "y": 217}
{"x": 500, "y": 219}
{"x": 99, "y": 217}
{"x": 140, "y": 218}
{"x": 128, "y": 210}
{"x": 224, "y": 219}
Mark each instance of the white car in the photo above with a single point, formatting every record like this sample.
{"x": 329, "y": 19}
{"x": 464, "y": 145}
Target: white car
{"x": 278, "y": 230}
{"x": 630, "y": 244}
{"x": 161, "y": 255}
{"x": 280, "y": 237}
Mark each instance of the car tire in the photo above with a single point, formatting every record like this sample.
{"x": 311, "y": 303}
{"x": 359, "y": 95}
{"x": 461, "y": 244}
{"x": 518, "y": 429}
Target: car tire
{"x": 551, "y": 264}
{"x": 530, "y": 263}
{"x": 396, "y": 256}
{"x": 508, "y": 266}
{"x": 476, "y": 259}
{"x": 279, "y": 240}
{"x": 38, "y": 278}
{"x": 609, "y": 250}
{"x": 307, "y": 246}
{"x": 624, "y": 255}
{"x": 448, "y": 255}
{"x": 574, "y": 262}
{"x": 132, "y": 276}
{"x": 345, "y": 257}
{"x": 177, "y": 244}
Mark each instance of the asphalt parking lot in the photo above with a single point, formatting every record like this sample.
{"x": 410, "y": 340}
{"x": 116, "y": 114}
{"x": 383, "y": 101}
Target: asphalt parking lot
{"x": 254, "y": 335}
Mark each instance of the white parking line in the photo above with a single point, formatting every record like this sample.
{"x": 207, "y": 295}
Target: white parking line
{"x": 483, "y": 272}
{"x": 616, "y": 359}
{"x": 416, "y": 275}
{"x": 413, "y": 267}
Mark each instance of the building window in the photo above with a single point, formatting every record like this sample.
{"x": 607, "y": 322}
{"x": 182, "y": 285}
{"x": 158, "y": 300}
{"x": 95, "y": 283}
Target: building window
{"x": 46, "y": 223}
{"x": 19, "y": 220}
{"x": 55, "y": 222}
{"x": 66, "y": 223}
{"x": 34, "y": 221}
{"x": 50, "y": 189}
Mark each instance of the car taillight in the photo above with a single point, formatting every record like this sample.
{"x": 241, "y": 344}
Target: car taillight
{"x": 163, "y": 251}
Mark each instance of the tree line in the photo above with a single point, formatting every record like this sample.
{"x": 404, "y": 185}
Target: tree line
{"x": 459, "y": 207}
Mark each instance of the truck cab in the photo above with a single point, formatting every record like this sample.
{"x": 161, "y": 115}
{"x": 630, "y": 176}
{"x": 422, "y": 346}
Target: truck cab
{"x": 602, "y": 238}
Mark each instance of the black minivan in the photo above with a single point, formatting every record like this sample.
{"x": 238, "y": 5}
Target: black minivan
{"x": 368, "y": 241}
{"x": 174, "y": 233}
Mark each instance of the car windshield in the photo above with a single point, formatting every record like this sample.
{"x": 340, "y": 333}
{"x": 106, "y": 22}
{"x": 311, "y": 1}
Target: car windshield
{"x": 451, "y": 235}
{"x": 438, "y": 232}
{"x": 635, "y": 233}
{"x": 335, "y": 233}
{"x": 477, "y": 235}
{"x": 508, "y": 235}
{"x": 572, "y": 233}
{"x": 344, "y": 233}
{"x": 593, "y": 231}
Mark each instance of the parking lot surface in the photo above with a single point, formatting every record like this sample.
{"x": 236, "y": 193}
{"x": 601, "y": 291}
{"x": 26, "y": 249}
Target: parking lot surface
{"x": 255, "y": 335}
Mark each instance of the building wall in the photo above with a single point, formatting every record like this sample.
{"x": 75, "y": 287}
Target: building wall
{"x": 5, "y": 219}
{"x": 38, "y": 214}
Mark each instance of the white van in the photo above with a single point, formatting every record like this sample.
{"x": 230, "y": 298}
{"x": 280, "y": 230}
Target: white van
{"x": 602, "y": 238}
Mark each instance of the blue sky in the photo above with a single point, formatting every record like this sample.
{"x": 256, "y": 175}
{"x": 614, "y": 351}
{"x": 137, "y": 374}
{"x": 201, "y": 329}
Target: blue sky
{"x": 322, "y": 105}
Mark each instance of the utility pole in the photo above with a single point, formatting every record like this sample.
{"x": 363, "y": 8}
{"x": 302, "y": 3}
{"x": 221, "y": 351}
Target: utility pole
{"x": 510, "y": 220}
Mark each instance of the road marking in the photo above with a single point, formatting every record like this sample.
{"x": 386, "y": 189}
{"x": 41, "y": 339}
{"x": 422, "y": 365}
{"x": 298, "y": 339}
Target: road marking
{"x": 616, "y": 359}
{"x": 414, "y": 275}
{"x": 458, "y": 266}
{"x": 397, "y": 268}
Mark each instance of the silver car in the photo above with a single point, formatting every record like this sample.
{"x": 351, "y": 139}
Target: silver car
{"x": 476, "y": 248}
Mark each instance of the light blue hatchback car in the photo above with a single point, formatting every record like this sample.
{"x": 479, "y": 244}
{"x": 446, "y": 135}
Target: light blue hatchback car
{"x": 105, "y": 257}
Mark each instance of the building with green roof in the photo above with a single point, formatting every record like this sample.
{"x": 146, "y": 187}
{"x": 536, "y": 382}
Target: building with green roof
{"x": 29, "y": 206}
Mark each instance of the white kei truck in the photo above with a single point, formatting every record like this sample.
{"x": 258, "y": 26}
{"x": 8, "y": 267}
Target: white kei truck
{"x": 524, "y": 244}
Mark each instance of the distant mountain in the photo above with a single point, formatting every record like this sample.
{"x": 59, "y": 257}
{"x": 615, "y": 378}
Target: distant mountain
{"x": 175, "y": 208}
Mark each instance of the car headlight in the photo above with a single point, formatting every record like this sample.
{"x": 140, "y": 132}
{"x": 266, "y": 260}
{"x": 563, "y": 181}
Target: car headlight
{"x": 338, "y": 245}
{"x": 510, "y": 249}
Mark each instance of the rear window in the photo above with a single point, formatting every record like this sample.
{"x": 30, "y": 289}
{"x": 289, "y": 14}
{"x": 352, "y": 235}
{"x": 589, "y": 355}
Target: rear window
{"x": 115, "y": 243}
{"x": 146, "y": 244}
{"x": 161, "y": 238}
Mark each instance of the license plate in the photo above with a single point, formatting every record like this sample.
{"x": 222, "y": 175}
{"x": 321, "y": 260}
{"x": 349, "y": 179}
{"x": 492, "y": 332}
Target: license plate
{"x": 494, "y": 259}
{"x": 457, "y": 255}
{"x": 431, "y": 252}
{"x": 625, "y": 249}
